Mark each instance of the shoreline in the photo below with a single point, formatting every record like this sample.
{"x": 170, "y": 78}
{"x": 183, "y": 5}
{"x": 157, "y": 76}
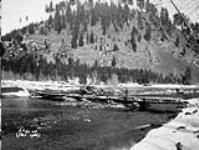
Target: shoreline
{"x": 132, "y": 87}
{"x": 169, "y": 136}
{"x": 113, "y": 129}
{"x": 180, "y": 133}
{"x": 75, "y": 83}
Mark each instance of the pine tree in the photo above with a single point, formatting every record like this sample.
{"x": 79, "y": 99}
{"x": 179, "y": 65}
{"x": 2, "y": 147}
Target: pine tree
{"x": 42, "y": 32}
{"x": 92, "y": 40}
{"x": 114, "y": 62}
{"x": 178, "y": 19}
{"x": 147, "y": 35}
{"x": 115, "y": 47}
{"x": 68, "y": 14}
{"x": 130, "y": 2}
{"x": 58, "y": 24}
{"x": 27, "y": 18}
{"x": 140, "y": 21}
{"x": 18, "y": 38}
{"x": 31, "y": 29}
{"x": 93, "y": 18}
{"x": 177, "y": 41}
{"x": 87, "y": 38}
{"x": 74, "y": 40}
{"x": 50, "y": 20}
{"x": 2, "y": 50}
{"x": 81, "y": 39}
{"x": 133, "y": 41}
{"x": 140, "y": 3}
{"x": 51, "y": 8}
{"x": 187, "y": 76}
{"x": 63, "y": 20}
{"x": 164, "y": 16}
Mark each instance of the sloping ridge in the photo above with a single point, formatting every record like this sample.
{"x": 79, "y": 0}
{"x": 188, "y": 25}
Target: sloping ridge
{"x": 189, "y": 7}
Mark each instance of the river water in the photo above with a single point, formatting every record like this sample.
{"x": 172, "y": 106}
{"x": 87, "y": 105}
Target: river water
{"x": 71, "y": 128}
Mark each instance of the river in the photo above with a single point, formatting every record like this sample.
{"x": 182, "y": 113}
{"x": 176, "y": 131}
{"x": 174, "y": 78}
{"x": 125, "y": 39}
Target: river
{"x": 72, "y": 128}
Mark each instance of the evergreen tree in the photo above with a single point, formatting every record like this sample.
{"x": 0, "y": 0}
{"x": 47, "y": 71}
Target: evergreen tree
{"x": 31, "y": 29}
{"x": 140, "y": 3}
{"x": 58, "y": 24}
{"x": 41, "y": 31}
{"x": 74, "y": 40}
{"x": 177, "y": 41}
{"x": 50, "y": 20}
{"x": 178, "y": 19}
{"x": 2, "y": 50}
{"x": 187, "y": 76}
{"x": 81, "y": 39}
{"x": 87, "y": 38}
{"x": 133, "y": 41}
{"x": 147, "y": 35}
{"x": 104, "y": 30}
{"x": 139, "y": 37}
{"x": 92, "y": 40}
{"x": 130, "y": 2}
{"x": 18, "y": 38}
{"x": 195, "y": 27}
{"x": 165, "y": 20}
{"x": 164, "y": 17}
{"x": 114, "y": 62}
{"x": 68, "y": 14}
{"x": 27, "y": 18}
{"x": 115, "y": 47}
{"x": 126, "y": 13}
{"x": 63, "y": 20}
{"x": 49, "y": 9}
{"x": 140, "y": 21}
{"x": 93, "y": 17}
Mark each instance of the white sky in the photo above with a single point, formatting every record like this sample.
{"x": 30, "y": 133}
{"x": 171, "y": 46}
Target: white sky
{"x": 12, "y": 10}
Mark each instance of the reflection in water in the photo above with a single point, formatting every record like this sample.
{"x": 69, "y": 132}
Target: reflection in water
{"x": 66, "y": 127}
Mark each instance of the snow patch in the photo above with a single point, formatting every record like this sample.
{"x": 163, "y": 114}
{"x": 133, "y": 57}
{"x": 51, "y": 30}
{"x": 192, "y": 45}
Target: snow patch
{"x": 183, "y": 131}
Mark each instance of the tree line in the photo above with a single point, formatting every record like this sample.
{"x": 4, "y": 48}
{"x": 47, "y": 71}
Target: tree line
{"x": 63, "y": 71}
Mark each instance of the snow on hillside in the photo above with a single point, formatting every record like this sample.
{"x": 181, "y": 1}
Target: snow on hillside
{"x": 189, "y": 7}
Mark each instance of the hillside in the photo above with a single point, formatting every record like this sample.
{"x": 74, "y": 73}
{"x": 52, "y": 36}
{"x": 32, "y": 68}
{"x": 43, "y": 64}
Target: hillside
{"x": 116, "y": 36}
{"x": 189, "y": 7}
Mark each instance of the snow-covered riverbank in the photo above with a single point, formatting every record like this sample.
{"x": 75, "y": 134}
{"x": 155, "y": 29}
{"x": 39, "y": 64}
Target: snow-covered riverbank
{"x": 61, "y": 85}
{"x": 39, "y": 85}
{"x": 182, "y": 133}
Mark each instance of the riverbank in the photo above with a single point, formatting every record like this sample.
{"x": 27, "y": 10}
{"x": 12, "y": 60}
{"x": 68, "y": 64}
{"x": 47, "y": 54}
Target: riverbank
{"x": 73, "y": 128}
{"x": 167, "y": 90}
{"x": 183, "y": 127}
{"x": 182, "y": 133}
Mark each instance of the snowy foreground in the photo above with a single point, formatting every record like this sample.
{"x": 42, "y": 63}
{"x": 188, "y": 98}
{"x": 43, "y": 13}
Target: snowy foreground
{"x": 182, "y": 133}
